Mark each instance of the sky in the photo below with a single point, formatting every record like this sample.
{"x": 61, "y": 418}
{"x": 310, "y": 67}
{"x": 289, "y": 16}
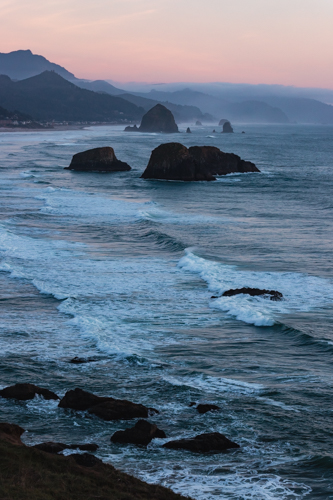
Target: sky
{"x": 287, "y": 42}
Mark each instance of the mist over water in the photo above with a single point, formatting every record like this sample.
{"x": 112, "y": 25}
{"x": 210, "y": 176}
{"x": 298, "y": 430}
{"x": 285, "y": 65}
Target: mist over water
{"x": 123, "y": 269}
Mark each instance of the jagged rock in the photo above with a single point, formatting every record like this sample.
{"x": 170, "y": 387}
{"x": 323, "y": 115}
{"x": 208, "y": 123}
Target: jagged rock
{"x": 97, "y": 160}
{"x": 104, "y": 407}
{"x": 11, "y": 433}
{"x": 202, "y": 408}
{"x": 142, "y": 433}
{"x": 227, "y": 128}
{"x": 274, "y": 295}
{"x": 51, "y": 447}
{"x": 198, "y": 122}
{"x": 158, "y": 119}
{"x": 188, "y": 130}
{"x": 212, "y": 441}
{"x": 120, "y": 409}
{"x": 78, "y": 399}
{"x": 173, "y": 161}
{"x": 24, "y": 392}
{"x": 131, "y": 129}
{"x": 86, "y": 460}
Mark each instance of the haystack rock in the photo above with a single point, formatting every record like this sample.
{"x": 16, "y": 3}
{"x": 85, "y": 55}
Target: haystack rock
{"x": 158, "y": 119}
{"x": 97, "y": 160}
{"x": 173, "y": 161}
{"x": 227, "y": 128}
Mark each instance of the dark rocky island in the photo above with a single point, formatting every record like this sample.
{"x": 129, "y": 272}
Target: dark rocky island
{"x": 173, "y": 161}
{"x": 158, "y": 119}
{"x": 227, "y": 128}
{"x": 209, "y": 442}
{"x": 273, "y": 294}
{"x": 97, "y": 160}
{"x": 24, "y": 392}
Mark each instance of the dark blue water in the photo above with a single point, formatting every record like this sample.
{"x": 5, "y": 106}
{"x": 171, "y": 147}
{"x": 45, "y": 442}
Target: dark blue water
{"x": 123, "y": 269}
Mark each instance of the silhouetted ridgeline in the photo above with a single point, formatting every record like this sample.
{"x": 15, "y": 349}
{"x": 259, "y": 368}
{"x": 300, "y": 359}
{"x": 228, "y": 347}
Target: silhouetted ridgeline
{"x": 48, "y": 96}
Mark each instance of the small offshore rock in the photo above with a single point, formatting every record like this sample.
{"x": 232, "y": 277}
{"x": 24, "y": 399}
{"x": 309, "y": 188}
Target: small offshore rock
{"x": 227, "y": 128}
{"x": 78, "y": 399}
{"x": 78, "y": 361}
{"x": 209, "y": 442}
{"x": 204, "y": 408}
{"x": 120, "y": 409}
{"x": 274, "y": 294}
{"x": 188, "y": 130}
{"x": 214, "y": 131}
{"x": 97, "y": 160}
{"x": 198, "y": 122}
{"x": 142, "y": 434}
{"x": 24, "y": 392}
{"x": 134, "y": 128}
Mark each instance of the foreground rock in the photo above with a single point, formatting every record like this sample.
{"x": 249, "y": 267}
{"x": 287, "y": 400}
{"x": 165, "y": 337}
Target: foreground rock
{"x": 25, "y": 392}
{"x": 142, "y": 433}
{"x": 202, "y": 408}
{"x": 105, "y": 408}
{"x": 212, "y": 441}
{"x": 273, "y": 294}
{"x": 173, "y": 161}
{"x": 97, "y": 160}
{"x": 51, "y": 447}
{"x": 227, "y": 128}
{"x": 158, "y": 119}
{"x": 27, "y": 473}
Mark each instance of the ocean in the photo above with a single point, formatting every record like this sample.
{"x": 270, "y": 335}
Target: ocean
{"x": 121, "y": 270}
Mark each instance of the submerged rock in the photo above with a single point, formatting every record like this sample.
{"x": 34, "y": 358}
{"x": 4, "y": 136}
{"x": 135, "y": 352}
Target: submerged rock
{"x": 79, "y": 361}
{"x": 227, "y": 128}
{"x": 106, "y": 408}
{"x": 211, "y": 441}
{"x": 25, "y": 392}
{"x": 97, "y": 160}
{"x": 202, "y": 408}
{"x": 274, "y": 294}
{"x": 142, "y": 433}
{"x": 51, "y": 447}
{"x": 173, "y": 161}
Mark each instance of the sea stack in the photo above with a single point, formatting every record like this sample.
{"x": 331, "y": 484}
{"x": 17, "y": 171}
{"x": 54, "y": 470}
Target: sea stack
{"x": 173, "y": 161}
{"x": 227, "y": 128}
{"x": 97, "y": 160}
{"x": 188, "y": 130}
{"x": 158, "y": 119}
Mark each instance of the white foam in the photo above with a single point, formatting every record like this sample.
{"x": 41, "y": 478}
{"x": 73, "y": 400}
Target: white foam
{"x": 209, "y": 384}
{"x": 302, "y": 293}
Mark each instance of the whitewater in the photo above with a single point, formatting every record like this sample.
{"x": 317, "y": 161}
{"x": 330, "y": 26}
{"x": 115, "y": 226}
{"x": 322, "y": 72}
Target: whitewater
{"x": 122, "y": 270}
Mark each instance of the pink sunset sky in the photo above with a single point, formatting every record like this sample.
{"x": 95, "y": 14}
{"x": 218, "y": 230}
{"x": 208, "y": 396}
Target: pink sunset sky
{"x": 287, "y": 42}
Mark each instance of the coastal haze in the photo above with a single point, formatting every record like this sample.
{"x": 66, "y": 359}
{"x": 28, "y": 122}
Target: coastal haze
{"x": 166, "y": 222}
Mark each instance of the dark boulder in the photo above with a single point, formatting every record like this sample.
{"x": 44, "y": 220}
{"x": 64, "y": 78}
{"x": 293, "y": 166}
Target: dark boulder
{"x": 86, "y": 460}
{"x": 206, "y": 408}
{"x": 273, "y": 294}
{"x": 131, "y": 129}
{"x": 104, "y": 407}
{"x": 120, "y": 409}
{"x": 173, "y": 161}
{"x": 188, "y": 130}
{"x": 97, "y": 160}
{"x": 79, "y": 361}
{"x": 78, "y": 399}
{"x": 227, "y": 128}
{"x": 198, "y": 123}
{"x": 51, "y": 447}
{"x": 142, "y": 433}
{"x": 11, "y": 433}
{"x": 212, "y": 441}
{"x": 24, "y": 392}
{"x": 158, "y": 119}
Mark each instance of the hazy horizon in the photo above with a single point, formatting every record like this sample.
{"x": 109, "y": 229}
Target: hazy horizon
{"x": 258, "y": 42}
